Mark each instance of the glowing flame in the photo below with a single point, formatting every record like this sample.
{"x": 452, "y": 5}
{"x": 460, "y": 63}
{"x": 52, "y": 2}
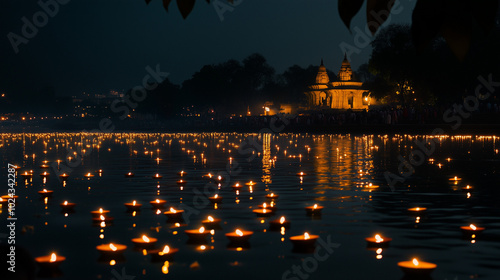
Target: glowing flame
{"x": 216, "y": 195}
{"x": 415, "y": 262}
{"x": 112, "y": 247}
{"x": 100, "y": 210}
{"x": 418, "y": 209}
{"x": 202, "y": 230}
{"x": 210, "y": 218}
{"x": 157, "y": 200}
{"x": 88, "y": 174}
{"x": 134, "y": 203}
{"x": 315, "y": 206}
{"x": 239, "y": 232}
{"x": 158, "y": 212}
{"x": 53, "y": 257}
{"x": 219, "y": 177}
{"x": 264, "y": 205}
{"x": 272, "y": 194}
{"x": 166, "y": 249}
{"x": 44, "y": 190}
{"x": 65, "y": 202}
{"x": 157, "y": 175}
{"x": 145, "y": 238}
{"x": 282, "y": 220}
{"x": 173, "y": 210}
{"x": 102, "y": 217}
{"x": 473, "y": 227}
{"x": 306, "y": 236}
{"x": 378, "y": 239}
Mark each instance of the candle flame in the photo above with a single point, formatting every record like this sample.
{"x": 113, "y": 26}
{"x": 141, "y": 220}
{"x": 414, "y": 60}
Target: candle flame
{"x": 166, "y": 249}
{"x": 53, "y": 257}
{"x": 100, "y": 210}
{"x": 145, "y": 238}
{"x": 88, "y": 174}
{"x": 378, "y": 239}
{"x": 315, "y": 206}
{"x": 210, "y": 218}
{"x": 415, "y": 262}
{"x": 134, "y": 203}
{"x": 158, "y": 212}
{"x": 219, "y": 177}
{"x": 65, "y": 202}
{"x": 264, "y": 205}
{"x": 473, "y": 227}
{"x": 216, "y": 195}
{"x": 272, "y": 194}
{"x": 102, "y": 218}
{"x": 157, "y": 200}
{"x": 112, "y": 247}
{"x": 418, "y": 209}
{"x": 173, "y": 210}
{"x": 239, "y": 232}
{"x": 44, "y": 190}
{"x": 306, "y": 236}
{"x": 282, "y": 220}
{"x": 202, "y": 230}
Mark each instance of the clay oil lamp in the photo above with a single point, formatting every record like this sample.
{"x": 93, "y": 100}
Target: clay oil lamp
{"x": 471, "y": 231}
{"x": 133, "y": 206}
{"x": 304, "y": 243}
{"x": 236, "y": 187}
{"x": 301, "y": 174}
{"x": 181, "y": 182}
{"x": 417, "y": 268}
{"x": 144, "y": 242}
{"x": 157, "y": 176}
{"x": 272, "y": 196}
{"x": 64, "y": 177}
{"x": 129, "y": 175}
{"x": 211, "y": 223}
{"x": 111, "y": 251}
{"x": 67, "y": 206}
{"x": 89, "y": 175}
{"x": 378, "y": 241}
{"x": 99, "y": 213}
{"x": 27, "y": 175}
{"x": 279, "y": 223}
{"x": 45, "y": 166}
{"x": 197, "y": 235}
{"x": 417, "y": 211}
{"x": 215, "y": 199}
{"x": 163, "y": 254}
{"x": 49, "y": 265}
{"x": 45, "y": 174}
{"x": 174, "y": 215}
{"x": 158, "y": 203}
{"x": 239, "y": 237}
{"x": 46, "y": 193}
{"x": 263, "y": 212}
{"x": 314, "y": 210}
{"x": 467, "y": 188}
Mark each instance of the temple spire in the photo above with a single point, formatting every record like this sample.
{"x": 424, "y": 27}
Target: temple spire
{"x": 321, "y": 61}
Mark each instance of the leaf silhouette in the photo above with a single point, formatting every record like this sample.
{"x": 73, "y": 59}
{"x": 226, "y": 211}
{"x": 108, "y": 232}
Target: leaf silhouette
{"x": 377, "y": 12}
{"x": 348, "y": 9}
{"x": 185, "y": 7}
{"x": 427, "y": 19}
{"x": 165, "y": 4}
{"x": 484, "y": 12}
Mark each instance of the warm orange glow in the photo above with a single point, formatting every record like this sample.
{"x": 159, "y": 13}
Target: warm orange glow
{"x": 173, "y": 210}
{"x": 112, "y": 247}
{"x": 53, "y": 257}
{"x": 264, "y": 205}
{"x": 145, "y": 238}
{"x": 44, "y": 190}
{"x": 210, "y": 218}
{"x": 216, "y": 195}
{"x": 100, "y": 210}
{"x": 166, "y": 249}
{"x": 473, "y": 227}
{"x": 65, "y": 202}
{"x": 306, "y": 236}
{"x": 102, "y": 217}
{"x": 315, "y": 206}
{"x": 202, "y": 230}
{"x": 134, "y": 203}
{"x": 157, "y": 200}
{"x": 378, "y": 239}
{"x": 239, "y": 232}
{"x": 282, "y": 219}
{"x": 415, "y": 262}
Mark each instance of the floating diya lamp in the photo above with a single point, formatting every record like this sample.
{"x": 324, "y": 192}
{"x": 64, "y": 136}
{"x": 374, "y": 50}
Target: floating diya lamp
{"x": 314, "y": 210}
{"x": 301, "y": 174}
{"x": 416, "y": 267}
{"x": 197, "y": 235}
{"x": 471, "y": 231}
{"x": 44, "y": 166}
{"x": 251, "y": 183}
{"x": 144, "y": 241}
{"x": 239, "y": 236}
{"x": 67, "y": 206}
{"x": 157, "y": 176}
{"x": 64, "y": 176}
{"x": 46, "y": 193}
{"x": 133, "y": 206}
{"x": 270, "y": 206}
{"x": 378, "y": 241}
{"x": 165, "y": 253}
{"x": 467, "y": 188}
{"x": 263, "y": 212}
{"x": 455, "y": 178}
{"x": 158, "y": 203}
{"x": 181, "y": 182}
{"x": 279, "y": 223}
{"x": 129, "y": 175}
{"x": 45, "y": 174}
{"x": 419, "y": 211}
{"x": 89, "y": 175}
{"x": 304, "y": 241}
{"x": 211, "y": 222}
{"x": 173, "y": 214}
{"x": 111, "y": 249}
{"x": 182, "y": 173}
{"x": 236, "y": 186}
{"x": 50, "y": 262}
{"x": 272, "y": 196}
{"x": 215, "y": 199}
{"x": 99, "y": 213}
{"x": 27, "y": 175}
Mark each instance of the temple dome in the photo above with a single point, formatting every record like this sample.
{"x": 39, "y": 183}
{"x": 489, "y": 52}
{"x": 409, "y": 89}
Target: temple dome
{"x": 345, "y": 73}
{"x": 322, "y": 76}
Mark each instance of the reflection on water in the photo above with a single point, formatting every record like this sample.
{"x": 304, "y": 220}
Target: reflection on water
{"x": 345, "y": 174}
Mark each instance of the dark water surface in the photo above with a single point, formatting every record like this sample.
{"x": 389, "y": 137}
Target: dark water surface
{"x": 339, "y": 170}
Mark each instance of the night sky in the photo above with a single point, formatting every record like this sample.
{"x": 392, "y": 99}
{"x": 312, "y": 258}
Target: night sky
{"x": 97, "y": 46}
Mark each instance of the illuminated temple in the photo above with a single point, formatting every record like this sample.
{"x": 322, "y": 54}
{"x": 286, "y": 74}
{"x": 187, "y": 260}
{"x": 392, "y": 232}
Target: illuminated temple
{"x": 343, "y": 93}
